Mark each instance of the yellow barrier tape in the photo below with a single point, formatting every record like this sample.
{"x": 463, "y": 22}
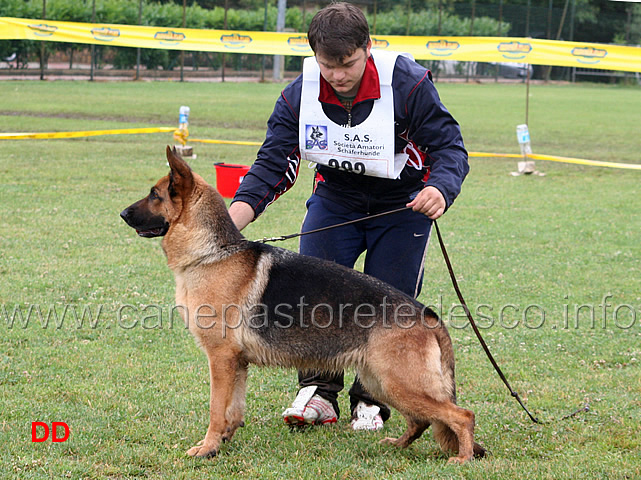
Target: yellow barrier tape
{"x": 52, "y": 135}
{"x": 498, "y": 155}
{"x": 90, "y": 133}
{"x": 580, "y": 161}
{"x": 480, "y": 49}
{"x": 554, "y": 158}
{"x": 181, "y": 135}
{"x": 225, "y": 142}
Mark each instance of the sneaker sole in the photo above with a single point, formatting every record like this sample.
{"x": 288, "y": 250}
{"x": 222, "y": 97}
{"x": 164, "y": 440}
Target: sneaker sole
{"x": 296, "y": 421}
{"x": 328, "y": 421}
{"x": 367, "y": 429}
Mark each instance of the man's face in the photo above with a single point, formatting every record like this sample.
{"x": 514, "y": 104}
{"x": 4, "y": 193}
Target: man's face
{"x": 344, "y": 76}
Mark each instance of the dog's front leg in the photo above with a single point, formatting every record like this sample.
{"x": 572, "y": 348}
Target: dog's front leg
{"x": 235, "y": 413}
{"x": 224, "y": 369}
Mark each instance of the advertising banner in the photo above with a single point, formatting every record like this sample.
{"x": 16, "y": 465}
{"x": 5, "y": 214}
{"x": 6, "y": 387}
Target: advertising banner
{"x": 468, "y": 49}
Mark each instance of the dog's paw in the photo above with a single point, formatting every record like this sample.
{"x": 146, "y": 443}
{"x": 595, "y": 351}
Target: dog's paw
{"x": 458, "y": 460}
{"x": 201, "y": 450}
{"x": 389, "y": 441}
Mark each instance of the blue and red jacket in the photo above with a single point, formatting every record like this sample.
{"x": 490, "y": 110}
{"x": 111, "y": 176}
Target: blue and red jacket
{"x": 425, "y": 130}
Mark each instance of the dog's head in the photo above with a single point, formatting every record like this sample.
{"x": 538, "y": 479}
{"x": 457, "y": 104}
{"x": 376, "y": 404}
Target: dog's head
{"x": 153, "y": 215}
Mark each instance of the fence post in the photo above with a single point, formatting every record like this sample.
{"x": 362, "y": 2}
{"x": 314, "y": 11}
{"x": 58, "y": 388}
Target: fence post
{"x": 469, "y": 64}
{"x": 182, "y": 52}
{"x": 222, "y": 68}
{"x": 409, "y": 15}
{"x": 498, "y": 66}
{"x": 93, "y": 47}
{"x": 138, "y": 53}
{"x": 374, "y": 21}
{"x": 572, "y": 14}
{"x": 42, "y": 44}
{"x": 279, "y": 60}
{"x": 262, "y": 69}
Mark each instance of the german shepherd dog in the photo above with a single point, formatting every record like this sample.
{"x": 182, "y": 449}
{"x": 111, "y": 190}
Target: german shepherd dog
{"x": 247, "y": 302}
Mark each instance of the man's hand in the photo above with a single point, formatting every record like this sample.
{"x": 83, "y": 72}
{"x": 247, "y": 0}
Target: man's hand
{"x": 430, "y": 202}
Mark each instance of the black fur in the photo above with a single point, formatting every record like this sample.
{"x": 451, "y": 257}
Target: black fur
{"x": 347, "y": 306}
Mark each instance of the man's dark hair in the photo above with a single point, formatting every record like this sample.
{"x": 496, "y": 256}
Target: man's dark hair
{"x": 338, "y": 30}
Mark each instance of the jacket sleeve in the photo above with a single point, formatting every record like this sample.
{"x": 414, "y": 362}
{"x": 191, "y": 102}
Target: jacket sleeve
{"x": 434, "y": 129}
{"x": 276, "y": 167}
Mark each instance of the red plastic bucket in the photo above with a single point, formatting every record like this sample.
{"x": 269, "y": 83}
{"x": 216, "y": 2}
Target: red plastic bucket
{"x": 228, "y": 178}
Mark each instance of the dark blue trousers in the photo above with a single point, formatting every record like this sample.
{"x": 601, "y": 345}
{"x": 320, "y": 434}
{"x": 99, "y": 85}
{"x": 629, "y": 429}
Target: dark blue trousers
{"x": 395, "y": 247}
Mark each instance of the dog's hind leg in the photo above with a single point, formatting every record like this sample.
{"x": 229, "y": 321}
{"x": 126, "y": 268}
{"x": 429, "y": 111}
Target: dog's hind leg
{"x": 453, "y": 426}
{"x": 415, "y": 429}
{"x": 460, "y": 422}
{"x": 448, "y": 440}
{"x": 420, "y": 385}
{"x": 223, "y": 371}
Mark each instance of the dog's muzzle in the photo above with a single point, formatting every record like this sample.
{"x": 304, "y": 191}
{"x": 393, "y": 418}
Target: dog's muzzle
{"x": 147, "y": 226}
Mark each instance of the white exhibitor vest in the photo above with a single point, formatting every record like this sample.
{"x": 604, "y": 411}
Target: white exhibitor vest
{"x": 367, "y": 148}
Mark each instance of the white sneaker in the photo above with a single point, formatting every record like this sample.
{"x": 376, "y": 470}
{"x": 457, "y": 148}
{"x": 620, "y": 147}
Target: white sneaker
{"x": 367, "y": 417}
{"x": 309, "y": 409}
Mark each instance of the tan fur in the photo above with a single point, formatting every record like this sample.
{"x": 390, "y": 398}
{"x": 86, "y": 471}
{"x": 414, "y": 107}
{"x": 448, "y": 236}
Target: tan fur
{"x": 219, "y": 279}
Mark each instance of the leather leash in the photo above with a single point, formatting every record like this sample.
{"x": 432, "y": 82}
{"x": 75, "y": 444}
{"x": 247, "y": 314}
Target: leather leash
{"x": 454, "y": 283}
{"x": 475, "y": 328}
{"x": 322, "y": 229}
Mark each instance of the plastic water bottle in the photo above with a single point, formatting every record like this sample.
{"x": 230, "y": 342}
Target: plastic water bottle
{"x": 523, "y": 136}
{"x": 183, "y": 117}
{"x": 182, "y": 133}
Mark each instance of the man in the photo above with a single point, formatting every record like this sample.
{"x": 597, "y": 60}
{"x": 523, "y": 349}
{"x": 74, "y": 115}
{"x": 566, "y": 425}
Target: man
{"x": 374, "y": 125}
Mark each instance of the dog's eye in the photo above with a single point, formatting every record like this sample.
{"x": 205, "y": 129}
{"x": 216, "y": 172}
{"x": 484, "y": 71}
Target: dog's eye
{"x": 153, "y": 195}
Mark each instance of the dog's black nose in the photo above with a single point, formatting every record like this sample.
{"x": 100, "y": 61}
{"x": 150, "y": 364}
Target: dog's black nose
{"x": 125, "y": 215}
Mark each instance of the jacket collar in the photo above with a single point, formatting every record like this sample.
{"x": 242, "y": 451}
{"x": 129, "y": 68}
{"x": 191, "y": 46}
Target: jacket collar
{"x": 369, "y": 89}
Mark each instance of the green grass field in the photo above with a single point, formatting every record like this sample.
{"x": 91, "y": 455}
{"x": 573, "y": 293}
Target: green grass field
{"x": 551, "y": 266}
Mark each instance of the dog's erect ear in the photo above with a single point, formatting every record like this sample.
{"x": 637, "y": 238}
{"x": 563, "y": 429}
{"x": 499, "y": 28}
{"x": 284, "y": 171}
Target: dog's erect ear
{"x": 181, "y": 176}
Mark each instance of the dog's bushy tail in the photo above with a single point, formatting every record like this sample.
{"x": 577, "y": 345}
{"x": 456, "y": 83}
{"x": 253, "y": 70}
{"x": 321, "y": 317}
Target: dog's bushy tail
{"x": 447, "y": 360}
